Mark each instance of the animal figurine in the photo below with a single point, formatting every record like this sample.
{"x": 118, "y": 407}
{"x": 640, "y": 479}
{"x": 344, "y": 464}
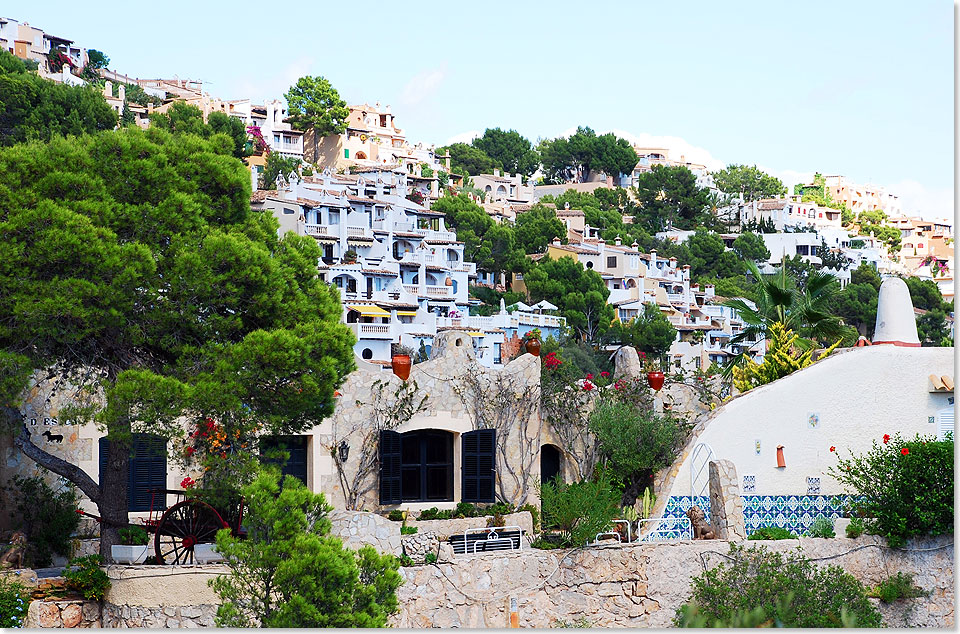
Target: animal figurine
{"x": 13, "y": 557}
{"x": 701, "y": 527}
{"x": 58, "y": 438}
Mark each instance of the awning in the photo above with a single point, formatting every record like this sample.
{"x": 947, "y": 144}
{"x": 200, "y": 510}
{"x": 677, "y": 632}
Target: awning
{"x": 406, "y": 313}
{"x": 370, "y": 311}
{"x": 476, "y": 334}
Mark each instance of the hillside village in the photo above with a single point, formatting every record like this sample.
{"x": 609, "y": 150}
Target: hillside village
{"x": 444, "y": 342}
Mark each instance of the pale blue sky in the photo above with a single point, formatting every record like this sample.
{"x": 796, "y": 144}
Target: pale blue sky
{"x": 863, "y": 89}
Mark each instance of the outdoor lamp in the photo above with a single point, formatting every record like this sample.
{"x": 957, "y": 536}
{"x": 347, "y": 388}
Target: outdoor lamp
{"x": 343, "y": 450}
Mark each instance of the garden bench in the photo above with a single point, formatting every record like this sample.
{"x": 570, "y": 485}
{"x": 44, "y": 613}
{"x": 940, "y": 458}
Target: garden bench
{"x": 476, "y": 540}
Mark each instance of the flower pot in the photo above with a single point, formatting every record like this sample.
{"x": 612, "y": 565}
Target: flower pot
{"x": 206, "y": 553}
{"x": 123, "y": 554}
{"x": 655, "y": 380}
{"x": 533, "y": 347}
{"x": 401, "y": 365}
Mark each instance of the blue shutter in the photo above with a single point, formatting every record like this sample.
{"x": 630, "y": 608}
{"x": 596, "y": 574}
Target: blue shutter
{"x": 478, "y": 465}
{"x": 147, "y": 470}
{"x": 390, "y": 467}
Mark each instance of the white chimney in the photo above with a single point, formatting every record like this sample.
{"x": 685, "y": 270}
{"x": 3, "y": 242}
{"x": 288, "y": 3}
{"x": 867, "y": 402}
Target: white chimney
{"x": 496, "y": 172}
{"x": 618, "y": 241}
{"x": 653, "y": 258}
{"x": 108, "y": 88}
{"x": 556, "y": 242}
{"x": 123, "y": 92}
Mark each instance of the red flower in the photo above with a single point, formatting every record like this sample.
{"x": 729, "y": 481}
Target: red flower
{"x": 832, "y": 448}
{"x": 187, "y": 482}
{"x": 587, "y": 386}
{"x": 905, "y": 451}
{"x": 589, "y": 377}
{"x": 191, "y": 451}
{"x": 604, "y": 374}
{"x": 886, "y": 438}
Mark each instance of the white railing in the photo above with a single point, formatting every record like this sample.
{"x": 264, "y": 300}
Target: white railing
{"x": 375, "y": 329}
{"x": 472, "y": 322}
{"x": 413, "y": 289}
{"x": 439, "y": 291}
{"x": 358, "y": 232}
{"x": 317, "y": 230}
{"x": 539, "y": 320}
{"x": 664, "y": 529}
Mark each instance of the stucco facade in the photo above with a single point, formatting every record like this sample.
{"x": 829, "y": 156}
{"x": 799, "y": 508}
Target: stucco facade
{"x": 847, "y": 400}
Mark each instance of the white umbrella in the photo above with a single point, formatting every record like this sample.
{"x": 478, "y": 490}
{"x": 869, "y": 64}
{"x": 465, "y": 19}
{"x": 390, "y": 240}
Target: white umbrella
{"x": 521, "y": 306}
{"x": 544, "y": 305}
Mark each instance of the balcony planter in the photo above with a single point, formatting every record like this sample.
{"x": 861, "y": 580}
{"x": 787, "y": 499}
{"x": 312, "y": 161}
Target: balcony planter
{"x": 655, "y": 380}
{"x": 129, "y": 554}
{"x": 401, "y": 365}
{"x": 533, "y": 347}
{"x": 206, "y": 553}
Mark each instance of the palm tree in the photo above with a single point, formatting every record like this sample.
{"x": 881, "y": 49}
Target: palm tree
{"x": 778, "y": 299}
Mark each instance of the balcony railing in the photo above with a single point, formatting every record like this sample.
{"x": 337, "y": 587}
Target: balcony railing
{"x": 431, "y": 291}
{"x": 371, "y": 331}
{"x": 317, "y": 230}
{"x": 359, "y": 232}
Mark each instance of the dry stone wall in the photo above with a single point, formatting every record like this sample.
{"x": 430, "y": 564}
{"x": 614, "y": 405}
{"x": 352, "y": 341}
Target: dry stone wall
{"x": 356, "y": 529}
{"x": 642, "y": 585}
{"x": 726, "y": 505}
{"x": 63, "y": 614}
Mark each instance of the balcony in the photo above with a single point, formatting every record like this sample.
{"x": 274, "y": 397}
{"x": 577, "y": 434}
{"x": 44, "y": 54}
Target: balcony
{"x": 430, "y": 291}
{"x": 549, "y": 321}
{"x": 372, "y": 331}
{"x": 359, "y": 232}
{"x": 317, "y": 230}
{"x": 470, "y": 322}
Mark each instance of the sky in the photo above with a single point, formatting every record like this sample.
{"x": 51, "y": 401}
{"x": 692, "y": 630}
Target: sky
{"x": 858, "y": 88}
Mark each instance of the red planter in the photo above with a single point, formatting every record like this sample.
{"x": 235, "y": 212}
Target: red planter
{"x": 401, "y": 365}
{"x": 655, "y": 380}
{"x": 533, "y": 347}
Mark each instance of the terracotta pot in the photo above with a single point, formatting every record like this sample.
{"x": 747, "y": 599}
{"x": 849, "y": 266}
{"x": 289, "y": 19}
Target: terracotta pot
{"x": 533, "y": 347}
{"x": 401, "y": 365}
{"x": 655, "y": 380}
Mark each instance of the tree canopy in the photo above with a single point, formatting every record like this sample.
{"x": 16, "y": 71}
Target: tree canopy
{"x": 34, "y": 108}
{"x": 575, "y": 158}
{"x": 130, "y": 260}
{"x": 513, "y": 152}
{"x": 469, "y": 160}
{"x": 750, "y": 246}
{"x": 313, "y": 102}
{"x": 536, "y": 228}
{"x": 650, "y": 332}
{"x": 749, "y": 183}
{"x": 182, "y": 118}
{"x": 580, "y": 294}
{"x": 670, "y": 193}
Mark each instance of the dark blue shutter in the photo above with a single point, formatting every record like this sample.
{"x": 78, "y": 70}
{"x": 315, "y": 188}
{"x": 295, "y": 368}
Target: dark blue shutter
{"x": 147, "y": 470}
{"x": 296, "y": 446}
{"x": 390, "y": 467}
{"x": 478, "y": 465}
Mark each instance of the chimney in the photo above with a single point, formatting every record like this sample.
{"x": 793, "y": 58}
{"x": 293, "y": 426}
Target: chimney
{"x": 635, "y": 246}
{"x": 618, "y": 241}
{"x": 108, "y": 88}
{"x": 496, "y": 172}
{"x": 653, "y": 258}
{"x": 673, "y": 263}
{"x": 556, "y": 242}
{"x": 123, "y": 92}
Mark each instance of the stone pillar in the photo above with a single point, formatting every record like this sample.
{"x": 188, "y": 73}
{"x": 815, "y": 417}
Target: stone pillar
{"x": 726, "y": 505}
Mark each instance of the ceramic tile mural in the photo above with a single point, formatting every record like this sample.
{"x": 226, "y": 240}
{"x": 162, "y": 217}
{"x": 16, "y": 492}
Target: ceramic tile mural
{"x": 813, "y": 486}
{"x": 749, "y": 483}
{"x": 792, "y": 512}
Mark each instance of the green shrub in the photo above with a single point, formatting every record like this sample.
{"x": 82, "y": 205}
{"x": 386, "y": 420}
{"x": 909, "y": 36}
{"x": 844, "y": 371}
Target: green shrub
{"x": 821, "y": 527}
{"x": 86, "y": 577}
{"x": 14, "y": 601}
{"x": 855, "y": 528}
{"x": 48, "y": 516}
{"x": 580, "y": 510}
{"x": 760, "y": 579}
{"x": 408, "y": 530}
{"x": 542, "y": 543}
{"x": 903, "y": 488}
{"x": 691, "y": 616}
{"x": 465, "y": 509}
{"x": 896, "y": 588}
{"x": 434, "y": 513}
{"x": 772, "y": 532}
{"x": 133, "y": 536}
{"x": 405, "y": 560}
{"x": 395, "y": 515}
{"x": 430, "y": 558}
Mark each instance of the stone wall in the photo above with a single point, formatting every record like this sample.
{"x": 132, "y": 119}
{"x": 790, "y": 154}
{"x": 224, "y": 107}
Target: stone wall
{"x": 63, "y": 614}
{"x": 161, "y": 596}
{"x": 445, "y": 528}
{"x": 356, "y": 529}
{"x": 642, "y": 585}
{"x": 726, "y": 505}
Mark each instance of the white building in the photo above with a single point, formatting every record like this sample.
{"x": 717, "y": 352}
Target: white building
{"x": 401, "y": 273}
{"x": 790, "y": 212}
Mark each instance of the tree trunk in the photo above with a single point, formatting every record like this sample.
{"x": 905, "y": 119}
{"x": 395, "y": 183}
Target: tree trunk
{"x": 113, "y": 500}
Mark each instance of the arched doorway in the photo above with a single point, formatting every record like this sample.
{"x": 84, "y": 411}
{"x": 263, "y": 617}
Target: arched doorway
{"x": 550, "y": 461}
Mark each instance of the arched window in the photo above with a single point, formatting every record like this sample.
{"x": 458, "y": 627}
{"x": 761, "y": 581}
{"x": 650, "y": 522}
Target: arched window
{"x": 360, "y": 155}
{"x": 367, "y": 354}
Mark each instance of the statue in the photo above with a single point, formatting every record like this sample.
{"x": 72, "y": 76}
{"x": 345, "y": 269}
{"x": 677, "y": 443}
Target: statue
{"x": 701, "y": 528}
{"x": 14, "y": 556}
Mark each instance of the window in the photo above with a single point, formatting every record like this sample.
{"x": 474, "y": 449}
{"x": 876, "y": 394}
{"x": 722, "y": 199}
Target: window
{"x": 334, "y": 217}
{"x": 426, "y": 466}
{"x": 496, "y": 353}
{"x": 346, "y": 153}
{"x": 589, "y": 265}
{"x": 276, "y": 138}
{"x": 478, "y": 469}
{"x": 287, "y": 211}
{"x": 367, "y": 354}
{"x": 296, "y": 446}
{"x": 611, "y": 262}
{"x": 147, "y": 471}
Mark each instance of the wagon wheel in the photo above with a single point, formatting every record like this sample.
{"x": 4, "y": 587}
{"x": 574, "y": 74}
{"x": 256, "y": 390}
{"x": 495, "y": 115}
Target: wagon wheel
{"x": 183, "y": 525}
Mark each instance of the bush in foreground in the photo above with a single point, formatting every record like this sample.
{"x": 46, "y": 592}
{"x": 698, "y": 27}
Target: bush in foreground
{"x": 758, "y": 579}
{"x": 903, "y": 488}
{"x": 290, "y": 573}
